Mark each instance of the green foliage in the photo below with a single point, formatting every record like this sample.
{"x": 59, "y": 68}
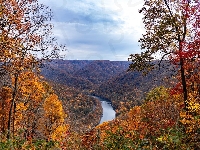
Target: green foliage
{"x": 172, "y": 139}
{"x": 117, "y": 140}
{"x": 18, "y": 143}
{"x": 176, "y": 138}
{"x": 157, "y": 93}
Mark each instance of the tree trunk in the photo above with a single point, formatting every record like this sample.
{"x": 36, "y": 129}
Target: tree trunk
{"x": 12, "y": 106}
{"x": 184, "y": 85}
{"x": 183, "y": 78}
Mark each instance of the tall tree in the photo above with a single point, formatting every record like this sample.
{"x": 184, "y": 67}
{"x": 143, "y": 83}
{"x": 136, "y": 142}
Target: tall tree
{"x": 25, "y": 41}
{"x": 172, "y": 33}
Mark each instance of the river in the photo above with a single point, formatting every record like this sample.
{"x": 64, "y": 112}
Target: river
{"x": 108, "y": 111}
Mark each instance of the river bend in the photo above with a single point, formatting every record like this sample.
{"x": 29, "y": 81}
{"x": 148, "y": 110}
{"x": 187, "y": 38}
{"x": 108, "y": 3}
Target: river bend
{"x": 108, "y": 111}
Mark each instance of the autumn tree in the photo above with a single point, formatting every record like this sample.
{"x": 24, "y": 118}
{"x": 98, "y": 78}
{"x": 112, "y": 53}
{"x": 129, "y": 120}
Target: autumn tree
{"x": 25, "y": 41}
{"x": 172, "y": 33}
{"x": 54, "y": 116}
{"x": 31, "y": 94}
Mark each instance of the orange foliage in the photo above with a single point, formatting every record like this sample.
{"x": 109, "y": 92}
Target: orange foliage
{"x": 5, "y": 99}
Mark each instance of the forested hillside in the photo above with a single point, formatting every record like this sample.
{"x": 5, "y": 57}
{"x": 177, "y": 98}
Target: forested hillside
{"x": 84, "y": 112}
{"x": 107, "y": 79}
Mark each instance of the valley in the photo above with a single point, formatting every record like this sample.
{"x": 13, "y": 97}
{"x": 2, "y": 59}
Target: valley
{"x": 74, "y": 80}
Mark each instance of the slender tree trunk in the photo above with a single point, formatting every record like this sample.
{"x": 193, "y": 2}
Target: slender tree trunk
{"x": 12, "y": 106}
{"x": 13, "y": 121}
{"x": 184, "y": 85}
{"x": 183, "y": 78}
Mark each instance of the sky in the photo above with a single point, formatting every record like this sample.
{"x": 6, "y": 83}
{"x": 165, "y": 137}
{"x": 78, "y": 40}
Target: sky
{"x": 97, "y": 29}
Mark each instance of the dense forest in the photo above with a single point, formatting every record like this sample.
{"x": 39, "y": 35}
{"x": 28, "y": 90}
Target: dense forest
{"x": 47, "y": 103}
{"x": 107, "y": 79}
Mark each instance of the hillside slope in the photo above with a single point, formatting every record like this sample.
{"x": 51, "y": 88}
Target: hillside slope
{"x": 107, "y": 79}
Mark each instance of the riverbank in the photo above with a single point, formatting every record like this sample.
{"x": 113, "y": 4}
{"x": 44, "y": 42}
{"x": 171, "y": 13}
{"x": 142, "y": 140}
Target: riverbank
{"x": 89, "y": 121}
{"x": 108, "y": 111}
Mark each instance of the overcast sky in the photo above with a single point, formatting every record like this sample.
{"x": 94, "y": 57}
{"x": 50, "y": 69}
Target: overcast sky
{"x": 97, "y": 29}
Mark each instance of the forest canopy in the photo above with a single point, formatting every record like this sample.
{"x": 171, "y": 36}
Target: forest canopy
{"x": 35, "y": 115}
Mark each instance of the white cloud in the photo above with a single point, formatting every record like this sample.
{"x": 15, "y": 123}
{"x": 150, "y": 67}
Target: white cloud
{"x": 106, "y": 29}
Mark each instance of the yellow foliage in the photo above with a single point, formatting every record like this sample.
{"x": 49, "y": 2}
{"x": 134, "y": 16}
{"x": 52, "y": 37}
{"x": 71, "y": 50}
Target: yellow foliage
{"x": 55, "y": 117}
{"x": 59, "y": 132}
{"x": 21, "y": 107}
{"x": 102, "y": 125}
{"x": 193, "y": 103}
{"x": 30, "y": 86}
{"x": 53, "y": 108}
{"x": 189, "y": 121}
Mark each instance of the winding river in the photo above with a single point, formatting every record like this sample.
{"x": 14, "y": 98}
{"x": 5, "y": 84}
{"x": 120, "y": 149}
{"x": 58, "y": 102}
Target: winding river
{"x": 108, "y": 111}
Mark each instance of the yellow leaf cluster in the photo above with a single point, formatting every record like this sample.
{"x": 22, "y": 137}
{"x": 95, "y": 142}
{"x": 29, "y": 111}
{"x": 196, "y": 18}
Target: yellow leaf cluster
{"x": 189, "y": 121}
{"x": 193, "y": 103}
{"x": 59, "y": 132}
{"x": 30, "y": 87}
{"x": 53, "y": 108}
